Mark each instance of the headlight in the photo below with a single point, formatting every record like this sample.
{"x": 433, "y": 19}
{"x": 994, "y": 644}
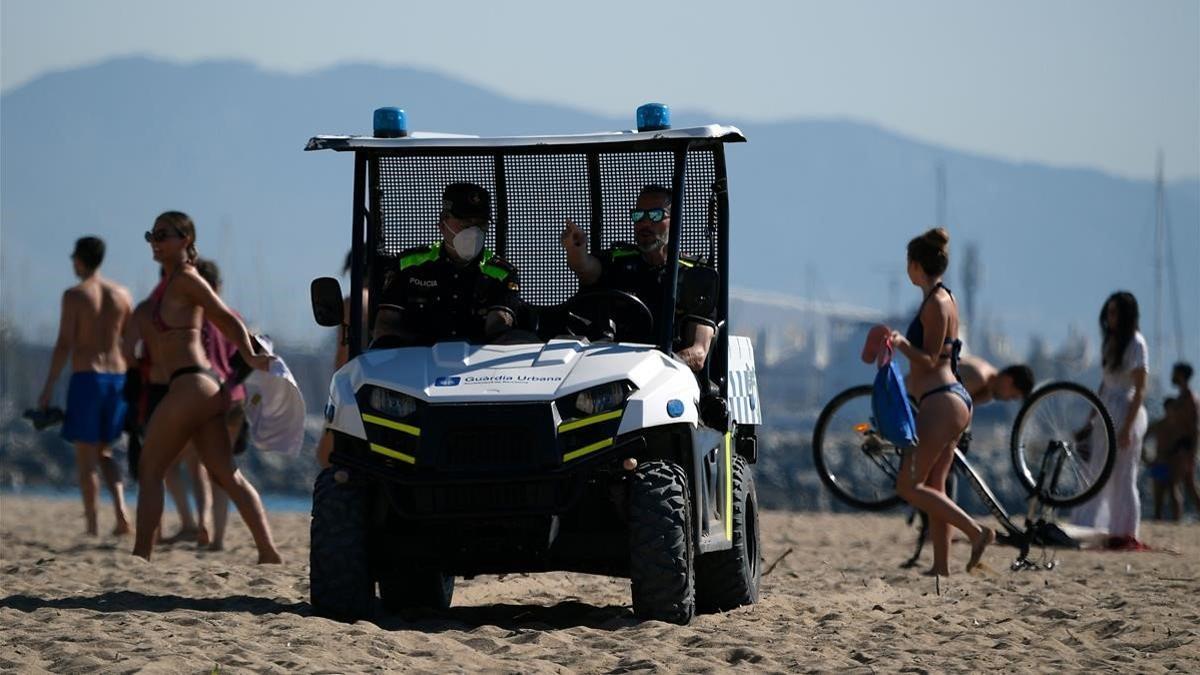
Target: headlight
{"x": 391, "y": 403}
{"x": 595, "y": 401}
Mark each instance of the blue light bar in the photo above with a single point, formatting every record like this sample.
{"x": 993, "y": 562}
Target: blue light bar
{"x": 390, "y": 123}
{"x": 653, "y": 117}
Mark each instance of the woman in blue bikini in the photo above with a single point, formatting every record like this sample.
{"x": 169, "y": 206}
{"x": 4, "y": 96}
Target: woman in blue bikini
{"x": 932, "y": 347}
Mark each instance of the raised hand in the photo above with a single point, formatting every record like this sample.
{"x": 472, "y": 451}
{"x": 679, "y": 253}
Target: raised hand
{"x": 573, "y": 239}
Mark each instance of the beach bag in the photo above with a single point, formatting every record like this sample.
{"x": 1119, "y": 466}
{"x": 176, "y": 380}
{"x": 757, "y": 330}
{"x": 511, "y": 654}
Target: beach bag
{"x": 274, "y": 406}
{"x": 889, "y": 404}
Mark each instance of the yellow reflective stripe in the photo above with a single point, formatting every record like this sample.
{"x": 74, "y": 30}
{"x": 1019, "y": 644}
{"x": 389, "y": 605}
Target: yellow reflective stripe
{"x": 728, "y": 490}
{"x": 392, "y": 425}
{"x": 595, "y": 419}
{"x": 392, "y": 453}
{"x": 686, "y": 263}
{"x": 587, "y": 449}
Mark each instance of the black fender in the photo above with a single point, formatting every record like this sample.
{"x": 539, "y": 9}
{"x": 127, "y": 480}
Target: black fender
{"x": 712, "y": 484}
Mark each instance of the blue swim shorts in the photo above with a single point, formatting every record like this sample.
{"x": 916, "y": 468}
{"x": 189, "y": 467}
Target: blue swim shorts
{"x": 95, "y": 407}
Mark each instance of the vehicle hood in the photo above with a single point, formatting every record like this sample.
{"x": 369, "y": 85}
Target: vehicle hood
{"x": 457, "y": 371}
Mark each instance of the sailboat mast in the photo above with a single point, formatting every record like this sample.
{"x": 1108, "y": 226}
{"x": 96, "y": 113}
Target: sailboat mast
{"x": 1159, "y": 249}
{"x": 1166, "y": 263}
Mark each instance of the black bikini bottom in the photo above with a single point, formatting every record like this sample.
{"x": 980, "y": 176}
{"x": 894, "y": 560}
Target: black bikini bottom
{"x": 954, "y": 388}
{"x": 196, "y": 370}
{"x": 155, "y": 393}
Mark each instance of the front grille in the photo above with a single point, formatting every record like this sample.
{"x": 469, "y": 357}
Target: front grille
{"x": 491, "y": 498}
{"x": 495, "y": 438}
{"x": 482, "y": 446}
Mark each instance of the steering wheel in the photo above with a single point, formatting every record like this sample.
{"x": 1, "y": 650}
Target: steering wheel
{"x": 629, "y": 315}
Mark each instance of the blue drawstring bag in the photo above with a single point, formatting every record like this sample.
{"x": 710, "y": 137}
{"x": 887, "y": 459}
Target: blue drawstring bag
{"x": 889, "y": 404}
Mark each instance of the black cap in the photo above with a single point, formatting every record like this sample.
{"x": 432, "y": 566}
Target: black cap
{"x": 467, "y": 200}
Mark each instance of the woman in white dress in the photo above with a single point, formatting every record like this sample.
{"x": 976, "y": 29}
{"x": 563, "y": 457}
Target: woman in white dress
{"x": 1117, "y": 509}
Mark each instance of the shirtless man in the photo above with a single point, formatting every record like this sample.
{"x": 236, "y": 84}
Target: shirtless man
{"x": 1183, "y": 450}
{"x": 94, "y": 313}
{"x": 986, "y": 384}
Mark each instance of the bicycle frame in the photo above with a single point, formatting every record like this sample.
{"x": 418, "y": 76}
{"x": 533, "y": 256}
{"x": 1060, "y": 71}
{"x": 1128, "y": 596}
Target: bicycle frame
{"x": 1021, "y": 539}
{"x": 1056, "y": 470}
{"x": 1015, "y": 537}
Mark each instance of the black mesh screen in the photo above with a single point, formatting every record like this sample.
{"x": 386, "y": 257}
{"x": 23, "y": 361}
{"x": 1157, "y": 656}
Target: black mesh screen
{"x": 410, "y": 196}
{"x": 541, "y": 190}
{"x": 622, "y": 176}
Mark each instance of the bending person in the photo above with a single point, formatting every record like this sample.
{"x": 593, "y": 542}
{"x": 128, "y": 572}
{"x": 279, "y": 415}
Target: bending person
{"x": 196, "y": 401}
{"x": 986, "y": 384}
{"x": 932, "y": 347}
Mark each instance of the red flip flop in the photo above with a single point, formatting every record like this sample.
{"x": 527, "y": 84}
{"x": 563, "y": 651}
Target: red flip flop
{"x": 876, "y": 339}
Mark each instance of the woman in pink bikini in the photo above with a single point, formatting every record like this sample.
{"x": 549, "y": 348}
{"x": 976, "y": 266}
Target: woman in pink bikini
{"x": 196, "y": 401}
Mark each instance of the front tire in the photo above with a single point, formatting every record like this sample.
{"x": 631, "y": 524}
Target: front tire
{"x": 424, "y": 589}
{"x": 729, "y": 579}
{"x": 661, "y": 558}
{"x": 340, "y": 582}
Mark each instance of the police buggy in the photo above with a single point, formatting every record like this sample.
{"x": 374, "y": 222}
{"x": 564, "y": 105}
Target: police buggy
{"x": 560, "y": 446}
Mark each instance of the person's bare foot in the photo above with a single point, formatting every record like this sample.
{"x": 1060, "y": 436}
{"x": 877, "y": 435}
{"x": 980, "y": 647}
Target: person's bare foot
{"x": 272, "y": 558}
{"x": 144, "y": 556}
{"x": 202, "y": 538}
{"x": 122, "y": 529}
{"x": 184, "y": 534}
{"x": 935, "y": 573}
{"x": 216, "y": 545}
{"x": 986, "y": 537}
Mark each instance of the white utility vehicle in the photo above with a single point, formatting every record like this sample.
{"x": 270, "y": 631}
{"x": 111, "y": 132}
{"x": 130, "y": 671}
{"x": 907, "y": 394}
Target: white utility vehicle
{"x": 560, "y": 446}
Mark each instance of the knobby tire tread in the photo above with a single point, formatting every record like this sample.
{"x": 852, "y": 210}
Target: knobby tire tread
{"x": 340, "y": 582}
{"x": 662, "y": 576}
{"x": 728, "y": 579}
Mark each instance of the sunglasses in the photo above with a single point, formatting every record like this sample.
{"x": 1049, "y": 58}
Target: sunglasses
{"x": 655, "y": 215}
{"x": 162, "y": 235}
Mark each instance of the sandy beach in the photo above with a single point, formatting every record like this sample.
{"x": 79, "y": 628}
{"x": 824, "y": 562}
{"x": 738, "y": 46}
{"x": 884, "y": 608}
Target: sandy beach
{"x": 837, "y": 602}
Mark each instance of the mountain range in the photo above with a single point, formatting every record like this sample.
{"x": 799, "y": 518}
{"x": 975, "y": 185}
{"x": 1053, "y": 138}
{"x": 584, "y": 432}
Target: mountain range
{"x": 820, "y": 207}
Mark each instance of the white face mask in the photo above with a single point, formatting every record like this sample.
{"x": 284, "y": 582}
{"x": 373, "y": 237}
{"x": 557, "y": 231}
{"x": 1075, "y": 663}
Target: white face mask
{"x": 468, "y": 242}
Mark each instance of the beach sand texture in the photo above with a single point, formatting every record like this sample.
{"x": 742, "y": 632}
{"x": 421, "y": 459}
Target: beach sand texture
{"x": 837, "y": 602}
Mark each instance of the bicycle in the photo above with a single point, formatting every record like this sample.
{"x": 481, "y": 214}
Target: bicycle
{"x": 1058, "y": 456}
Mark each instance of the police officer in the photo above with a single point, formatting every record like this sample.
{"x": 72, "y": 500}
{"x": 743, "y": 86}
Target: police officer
{"x": 640, "y": 268}
{"x": 454, "y": 289}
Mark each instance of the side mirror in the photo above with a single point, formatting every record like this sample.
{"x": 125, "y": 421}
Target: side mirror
{"x": 327, "y": 302}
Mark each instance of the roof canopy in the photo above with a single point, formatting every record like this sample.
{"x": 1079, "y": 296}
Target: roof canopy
{"x": 713, "y": 133}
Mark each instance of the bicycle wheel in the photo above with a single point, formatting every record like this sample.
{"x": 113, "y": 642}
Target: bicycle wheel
{"x": 1063, "y": 444}
{"x": 853, "y": 460}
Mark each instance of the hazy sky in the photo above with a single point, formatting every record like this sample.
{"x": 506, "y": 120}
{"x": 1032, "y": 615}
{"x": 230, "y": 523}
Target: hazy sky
{"x": 1097, "y": 84}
